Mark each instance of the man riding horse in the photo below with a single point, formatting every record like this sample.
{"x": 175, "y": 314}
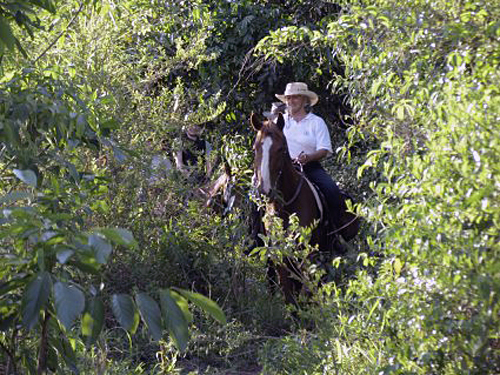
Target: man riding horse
{"x": 309, "y": 142}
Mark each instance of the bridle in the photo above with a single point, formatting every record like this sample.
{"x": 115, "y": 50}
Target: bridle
{"x": 286, "y": 155}
{"x": 299, "y": 186}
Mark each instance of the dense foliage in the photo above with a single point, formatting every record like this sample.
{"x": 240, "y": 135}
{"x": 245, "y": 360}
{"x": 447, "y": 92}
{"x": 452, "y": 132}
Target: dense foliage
{"x": 102, "y": 253}
{"x": 422, "y": 78}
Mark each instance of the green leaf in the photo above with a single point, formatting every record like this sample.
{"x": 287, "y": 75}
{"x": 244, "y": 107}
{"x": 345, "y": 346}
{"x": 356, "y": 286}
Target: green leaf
{"x": 68, "y": 354}
{"x": 125, "y": 311}
{"x": 70, "y": 302}
{"x": 87, "y": 265}
{"x": 63, "y": 255}
{"x": 118, "y": 235}
{"x": 174, "y": 319}
{"x": 6, "y": 35}
{"x": 110, "y": 124}
{"x": 206, "y": 304}
{"x": 183, "y": 305}
{"x": 101, "y": 248}
{"x": 73, "y": 172}
{"x": 27, "y": 176}
{"x": 93, "y": 320}
{"x": 400, "y": 113}
{"x": 15, "y": 196}
{"x": 35, "y": 297}
{"x": 397, "y": 266}
{"x": 151, "y": 314}
{"x": 45, "y": 4}
{"x": 13, "y": 284}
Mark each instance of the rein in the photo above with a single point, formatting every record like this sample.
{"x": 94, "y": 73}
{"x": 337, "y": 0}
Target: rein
{"x": 342, "y": 227}
{"x": 297, "y": 192}
{"x": 301, "y": 182}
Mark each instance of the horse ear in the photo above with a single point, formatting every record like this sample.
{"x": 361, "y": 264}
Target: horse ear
{"x": 280, "y": 121}
{"x": 254, "y": 121}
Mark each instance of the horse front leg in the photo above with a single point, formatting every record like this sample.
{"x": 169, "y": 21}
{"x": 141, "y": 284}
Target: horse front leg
{"x": 291, "y": 281}
{"x": 272, "y": 277}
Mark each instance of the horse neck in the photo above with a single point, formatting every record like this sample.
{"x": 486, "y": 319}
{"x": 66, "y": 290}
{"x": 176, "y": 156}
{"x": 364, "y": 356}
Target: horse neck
{"x": 289, "y": 180}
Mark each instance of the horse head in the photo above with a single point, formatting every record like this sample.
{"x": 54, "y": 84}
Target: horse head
{"x": 270, "y": 153}
{"x": 219, "y": 192}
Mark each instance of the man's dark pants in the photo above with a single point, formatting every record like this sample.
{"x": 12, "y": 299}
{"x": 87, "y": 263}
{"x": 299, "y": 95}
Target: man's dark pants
{"x": 315, "y": 172}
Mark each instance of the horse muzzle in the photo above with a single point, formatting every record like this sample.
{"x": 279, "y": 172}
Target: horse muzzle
{"x": 261, "y": 186}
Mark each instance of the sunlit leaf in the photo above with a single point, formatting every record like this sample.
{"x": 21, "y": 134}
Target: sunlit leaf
{"x": 183, "y": 305}
{"x": 397, "y": 266}
{"x": 206, "y": 304}
{"x": 68, "y": 354}
{"x": 93, "y": 320}
{"x": 174, "y": 320}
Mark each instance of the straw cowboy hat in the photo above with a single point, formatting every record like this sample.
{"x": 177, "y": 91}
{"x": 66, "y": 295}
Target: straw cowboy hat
{"x": 298, "y": 88}
{"x": 277, "y": 107}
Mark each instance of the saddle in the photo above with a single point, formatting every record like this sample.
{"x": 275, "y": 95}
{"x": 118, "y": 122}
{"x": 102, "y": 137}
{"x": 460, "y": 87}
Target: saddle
{"x": 347, "y": 220}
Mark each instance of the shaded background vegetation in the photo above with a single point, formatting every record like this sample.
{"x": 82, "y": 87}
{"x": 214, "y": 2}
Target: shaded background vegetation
{"x": 89, "y": 91}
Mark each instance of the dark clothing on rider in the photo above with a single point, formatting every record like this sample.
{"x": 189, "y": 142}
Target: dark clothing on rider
{"x": 317, "y": 175}
{"x": 192, "y": 157}
{"x": 192, "y": 151}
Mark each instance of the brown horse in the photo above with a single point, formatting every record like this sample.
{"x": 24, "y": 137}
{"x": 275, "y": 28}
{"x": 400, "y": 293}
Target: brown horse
{"x": 289, "y": 192}
{"x": 229, "y": 194}
{"x": 221, "y": 194}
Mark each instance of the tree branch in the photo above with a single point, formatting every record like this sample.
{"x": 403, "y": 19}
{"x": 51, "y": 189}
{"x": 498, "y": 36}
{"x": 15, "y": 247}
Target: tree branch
{"x": 60, "y": 34}
{"x": 42, "y": 355}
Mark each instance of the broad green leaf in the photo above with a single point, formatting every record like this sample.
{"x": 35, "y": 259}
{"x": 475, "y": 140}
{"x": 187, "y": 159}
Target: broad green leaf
{"x": 206, "y": 304}
{"x": 73, "y": 172}
{"x": 183, "y": 305}
{"x": 6, "y": 35}
{"x": 174, "y": 319}
{"x": 118, "y": 235}
{"x": 70, "y": 302}
{"x": 125, "y": 311}
{"x": 35, "y": 297}
{"x": 151, "y": 314}
{"x": 27, "y": 176}
{"x": 101, "y": 248}
{"x": 63, "y": 255}
{"x": 93, "y": 320}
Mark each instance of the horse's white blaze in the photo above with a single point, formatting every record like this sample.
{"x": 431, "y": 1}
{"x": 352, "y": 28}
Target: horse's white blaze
{"x": 265, "y": 173}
